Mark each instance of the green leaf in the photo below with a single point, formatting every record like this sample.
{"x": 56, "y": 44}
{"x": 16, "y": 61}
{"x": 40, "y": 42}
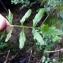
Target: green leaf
{"x": 38, "y": 37}
{"x": 52, "y": 20}
{"x": 57, "y": 38}
{"x": 22, "y": 39}
{"x": 43, "y": 59}
{"x": 52, "y": 31}
{"x": 38, "y": 16}
{"x": 10, "y": 17}
{"x": 8, "y": 35}
{"x": 2, "y": 34}
{"x": 26, "y": 16}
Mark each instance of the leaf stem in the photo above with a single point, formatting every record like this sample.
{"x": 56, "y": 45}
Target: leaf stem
{"x": 21, "y": 26}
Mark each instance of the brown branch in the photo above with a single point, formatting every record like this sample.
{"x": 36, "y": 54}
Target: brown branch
{"x": 55, "y": 51}
{"x": 3, "y": 6}
{"x": 30, "y": 56}
{"x": 7, "y": 57}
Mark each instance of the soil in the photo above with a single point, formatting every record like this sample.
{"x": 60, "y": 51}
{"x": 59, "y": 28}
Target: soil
{"x": 16, "y": 55}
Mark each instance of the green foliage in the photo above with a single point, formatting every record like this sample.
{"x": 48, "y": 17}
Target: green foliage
{"x": 45, "y": 36}
{"x": 2, "y": 44}
{"x": 8, "y": 35}
{"x": 38, "y": 37}
{"x": 26, "y": 16}
{"x": 52, "y": 20}
{"x": 43, "y": 59}
{"x": 25, "y": 3}
{"x": 47, "y": 60}
{"x": 51, "y": 35}
{"x": 2, "y": 34}
{"x": 22, "y": 39}
{"x": 16, "y": 1}
{"x": 38, "y": 16}
{"x": 10, "y": 17}
{"x": 42, "y": 1}
{"x": 52, "y": 31}
{"x": 50, "y": 4}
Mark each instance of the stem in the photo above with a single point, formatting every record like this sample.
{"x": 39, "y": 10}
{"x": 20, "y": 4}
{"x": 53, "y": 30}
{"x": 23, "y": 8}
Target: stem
{"x": 21, "y": 26}
{"x": 47, "y": 16}
{"x": 54, "y": 51}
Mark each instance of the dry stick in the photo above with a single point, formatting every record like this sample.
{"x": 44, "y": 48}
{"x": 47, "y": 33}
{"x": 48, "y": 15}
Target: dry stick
{"x": 3, "y": 6}
{"x": 30, "y": 56}
{"x": 14, "y": 56}
{"x": 55, "y": 51}
{"x": 7, "y": 57}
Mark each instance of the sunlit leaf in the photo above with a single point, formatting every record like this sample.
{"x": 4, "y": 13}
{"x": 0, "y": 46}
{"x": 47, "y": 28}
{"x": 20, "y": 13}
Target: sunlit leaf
{"x": 38, "y": 16}
{"x": 26, "y": 16}
{"x": 22, "y": 39}
{"x": 9, "y": 35}
{"x": 38, "y": 37}
{"x": 10, "y": 17}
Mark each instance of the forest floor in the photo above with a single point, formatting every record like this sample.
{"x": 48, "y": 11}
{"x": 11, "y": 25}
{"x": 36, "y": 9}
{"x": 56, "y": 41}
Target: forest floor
{"x": 11, "y": 53}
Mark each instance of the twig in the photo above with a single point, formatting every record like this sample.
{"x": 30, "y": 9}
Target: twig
{"x": 47, "y": 16}
{"x": 3, "y": 6}
{"x": 40, "y": 61}
{"x": 30, "y": 56}
{"x": 13, "y": 57}
{"x": 55, "y": 51}
{"x": 7, "y": 57}
{"x": 2, "y": 53}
